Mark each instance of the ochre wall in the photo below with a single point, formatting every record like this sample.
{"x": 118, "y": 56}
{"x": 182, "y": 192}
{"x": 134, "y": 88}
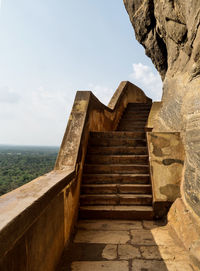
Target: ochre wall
{"x": 166, "y": 158}
{"x": 37, "y": 220}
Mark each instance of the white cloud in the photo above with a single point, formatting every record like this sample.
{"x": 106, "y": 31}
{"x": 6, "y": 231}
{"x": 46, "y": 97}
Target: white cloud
{"x": 150, "y": 81}
{"x": 38, "y": 118}
{"x": 103, "y": 93}
{"x": 8, "y": 96}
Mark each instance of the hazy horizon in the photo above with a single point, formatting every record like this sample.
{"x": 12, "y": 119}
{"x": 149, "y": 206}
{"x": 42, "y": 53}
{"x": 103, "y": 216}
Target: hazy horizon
{"x": 17, "y": 145}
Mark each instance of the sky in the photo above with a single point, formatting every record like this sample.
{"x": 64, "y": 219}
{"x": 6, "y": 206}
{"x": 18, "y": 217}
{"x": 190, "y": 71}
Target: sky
{"x": 49, "y": 49}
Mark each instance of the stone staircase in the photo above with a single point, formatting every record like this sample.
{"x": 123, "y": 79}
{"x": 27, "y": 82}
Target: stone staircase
{"x": 116, "y": 181}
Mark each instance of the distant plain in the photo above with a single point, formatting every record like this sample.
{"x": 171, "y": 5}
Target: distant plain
{"x": 21, "y": 164}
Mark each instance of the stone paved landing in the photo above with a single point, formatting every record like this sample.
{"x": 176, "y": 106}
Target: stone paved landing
{"x": 109, "y": 245}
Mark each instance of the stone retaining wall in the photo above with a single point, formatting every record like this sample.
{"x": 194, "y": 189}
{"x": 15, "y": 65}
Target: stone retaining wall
{"x": 166, "y": 158}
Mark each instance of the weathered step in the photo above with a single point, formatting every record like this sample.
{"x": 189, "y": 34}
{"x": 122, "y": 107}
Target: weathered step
{"x": 136, "y": 105}
{"x": 131, "y": 129}
{"x": 138, "y": 108}
{"x": 117, "y": 159}
{"x": 116, "y": 168}
{"x": 132, "y": 122}
{"x": 135, "y": 199}
{"x": 129, "y": 105}
{"x": 116, "y": 199}
{"x": 134, "y": 188}
{"x": 116, "y": 188}
{"x": 106, "y": 142}
{"x": 135, "y": 117}
{"x": 117, "y": 150}
{"x": 117, "y": 134}
{"x": 132, "y": 126}
{"x": 116, "y": 178}
{"x": 105, "y": 199}
{"x": 116, "y": 212}
{"x": 99, "y": 189}
{"x": 128, "y": 123}
{"x": 136, "y": 111}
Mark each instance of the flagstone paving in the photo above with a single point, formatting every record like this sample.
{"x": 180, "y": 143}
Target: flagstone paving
{"x": 110, "y": 245}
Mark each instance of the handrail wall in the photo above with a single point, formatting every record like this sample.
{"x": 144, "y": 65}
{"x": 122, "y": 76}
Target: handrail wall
{"x": 26, "y": 220}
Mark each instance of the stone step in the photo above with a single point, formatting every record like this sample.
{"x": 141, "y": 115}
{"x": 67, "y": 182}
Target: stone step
{"x": 135, "y": 189}
{"x": 138, "y": 104}
{"x": 118, "y": 134}
{"x": 139, "y": 107}
{"x": 136, "y": 199}
{"x": 131, "y": 129}
{"x": 116, "y": 212}
{"x": 116, "y": 188}
{"x": 117, "y": 150}
{"x": 128, "y": 121}
{"x": 137, "y": 111}
{"x": 116, "y": 199}
{"x": 116, "y": 179}
{"x": 108, "y": 142}
{"x": 135, "y": 117}
{"x": 116, "y": 168}
{"x": 99, "y": 189}
{"x": 131, "y": 126}
{"x": 116, "y": 182}
{"x": 117, "y": 159}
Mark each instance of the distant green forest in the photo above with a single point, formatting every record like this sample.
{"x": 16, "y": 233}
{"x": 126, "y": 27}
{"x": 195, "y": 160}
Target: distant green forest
{"x": 21, "y": 164}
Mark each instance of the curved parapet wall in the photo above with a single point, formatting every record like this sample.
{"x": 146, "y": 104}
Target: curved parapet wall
{"x": 38, "y": 218}
{"x": 89, "y": 114}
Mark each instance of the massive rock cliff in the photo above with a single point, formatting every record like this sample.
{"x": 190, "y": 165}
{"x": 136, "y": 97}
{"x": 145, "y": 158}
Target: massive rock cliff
{"x": 170, "y": 32}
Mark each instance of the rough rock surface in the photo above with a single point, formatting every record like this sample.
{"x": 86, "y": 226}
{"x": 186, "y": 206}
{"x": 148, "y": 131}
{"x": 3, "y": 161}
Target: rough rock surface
{"x": 170, "y": 32}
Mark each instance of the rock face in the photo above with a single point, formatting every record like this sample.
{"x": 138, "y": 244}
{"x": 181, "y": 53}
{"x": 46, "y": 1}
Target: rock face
{"x": 170, "y": 32}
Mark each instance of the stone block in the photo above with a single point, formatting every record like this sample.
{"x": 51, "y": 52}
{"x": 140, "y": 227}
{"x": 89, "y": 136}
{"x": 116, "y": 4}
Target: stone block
{"x": 127, "y": 252}
{"x": 110, "y": 252}
{"x": 150, "y": 252}
{"x": 144, "y": 265}
{"x": 102, "y": 237}
{"x": 142, "y": 237}
{"x": 100, "y": 266}
{"x": 108, "y": 225}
